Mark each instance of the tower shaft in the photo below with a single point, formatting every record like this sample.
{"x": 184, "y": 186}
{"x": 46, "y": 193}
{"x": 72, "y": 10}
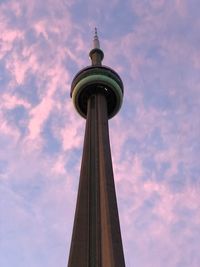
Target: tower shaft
{"x": 96, "y": 239}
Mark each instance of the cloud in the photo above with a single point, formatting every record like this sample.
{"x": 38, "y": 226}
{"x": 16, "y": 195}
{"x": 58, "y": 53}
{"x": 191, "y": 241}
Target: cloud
{"x": 154, "y": 138}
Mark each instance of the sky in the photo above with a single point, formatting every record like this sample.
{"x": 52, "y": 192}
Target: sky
{"x": 155, "y": 48}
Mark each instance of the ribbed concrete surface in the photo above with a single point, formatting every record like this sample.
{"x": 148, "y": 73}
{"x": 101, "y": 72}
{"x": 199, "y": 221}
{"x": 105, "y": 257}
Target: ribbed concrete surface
{"x": 96, "y": 239}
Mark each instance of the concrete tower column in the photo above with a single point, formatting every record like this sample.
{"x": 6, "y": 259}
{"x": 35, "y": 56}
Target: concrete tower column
{"x": 97, "y": 93}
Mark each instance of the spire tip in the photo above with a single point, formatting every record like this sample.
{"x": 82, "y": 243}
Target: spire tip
{"x": 95, "y": 31}
{"x": 96, "y": 43}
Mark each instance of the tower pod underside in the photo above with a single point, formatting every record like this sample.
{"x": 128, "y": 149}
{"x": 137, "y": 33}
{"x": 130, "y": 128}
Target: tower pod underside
{"x": 93, "y": 80}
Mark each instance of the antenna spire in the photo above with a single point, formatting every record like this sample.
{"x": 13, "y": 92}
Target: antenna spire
{"x": 96, "y": 54}
{"x": 96, "y": 43}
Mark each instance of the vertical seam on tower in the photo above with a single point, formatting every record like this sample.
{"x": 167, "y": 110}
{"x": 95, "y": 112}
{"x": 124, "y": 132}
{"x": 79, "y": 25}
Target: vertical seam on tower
{"x": 99, "y": 193}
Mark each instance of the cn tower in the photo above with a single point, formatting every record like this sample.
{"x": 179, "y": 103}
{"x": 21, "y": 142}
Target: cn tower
{"x": 97, "y": 94}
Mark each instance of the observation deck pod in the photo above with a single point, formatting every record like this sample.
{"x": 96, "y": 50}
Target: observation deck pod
{"x": 93, "y": 80}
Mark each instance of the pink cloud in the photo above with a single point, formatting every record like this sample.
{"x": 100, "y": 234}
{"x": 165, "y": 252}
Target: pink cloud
{"x": 59, "y": 166}
{"x": 39, "y": 114}
{"x": 52, "y": 209}
{"x": 9, "y": 101}
{"x": 41, "y": 28}
{"x": 70, "y": 136}
{"x": 8, "y": 130}
{"x": 181, "y": 7}
{"x": 8, "y": 37}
